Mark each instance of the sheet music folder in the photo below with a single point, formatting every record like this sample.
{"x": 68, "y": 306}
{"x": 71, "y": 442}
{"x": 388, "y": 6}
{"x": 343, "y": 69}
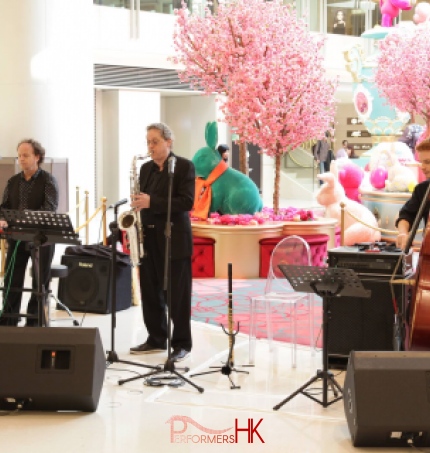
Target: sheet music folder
{"x": 325, "y": 279}
{"x": 25, "y": 225}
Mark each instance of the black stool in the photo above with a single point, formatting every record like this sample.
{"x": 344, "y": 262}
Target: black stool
{"x": 58, "y": 271}
{"x": 61, "y": 271}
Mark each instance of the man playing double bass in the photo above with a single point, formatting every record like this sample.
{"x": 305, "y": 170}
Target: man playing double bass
{"x": 410, "y": 209}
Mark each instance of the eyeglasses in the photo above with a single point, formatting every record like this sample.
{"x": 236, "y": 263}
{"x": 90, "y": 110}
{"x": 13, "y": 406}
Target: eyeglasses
{"x": 153, "y": 142}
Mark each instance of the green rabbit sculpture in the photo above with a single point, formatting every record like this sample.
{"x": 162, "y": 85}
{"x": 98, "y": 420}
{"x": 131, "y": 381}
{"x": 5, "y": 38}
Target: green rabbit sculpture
{"x": 232, "y": 192}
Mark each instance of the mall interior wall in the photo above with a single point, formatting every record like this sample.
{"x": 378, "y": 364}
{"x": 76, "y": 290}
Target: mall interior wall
{"x": 188, "y": 116}
{"x": 46, "y": 87}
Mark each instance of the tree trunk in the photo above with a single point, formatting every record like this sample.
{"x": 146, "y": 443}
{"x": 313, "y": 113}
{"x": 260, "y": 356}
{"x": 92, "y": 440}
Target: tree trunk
{"x": 278, "y": 159}
{"x": 243, "y": 159}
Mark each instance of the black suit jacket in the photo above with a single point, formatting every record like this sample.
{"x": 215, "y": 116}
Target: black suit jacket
{"x": 182, "y": 202}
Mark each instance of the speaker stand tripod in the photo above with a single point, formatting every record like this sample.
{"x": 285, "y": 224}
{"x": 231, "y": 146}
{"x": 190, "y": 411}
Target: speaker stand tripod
{"x": 327, "y": 283}
{"x": 228, "y": 367}
{"x": 112, "y": 356}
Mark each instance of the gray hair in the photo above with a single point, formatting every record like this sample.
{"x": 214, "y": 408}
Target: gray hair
{"x": 164, "y": 129}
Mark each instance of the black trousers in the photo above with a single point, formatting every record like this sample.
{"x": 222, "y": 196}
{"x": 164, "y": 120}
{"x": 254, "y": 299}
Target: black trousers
{"x": 154, "y": 299}
{"x": 324, "y": 167}
{"x": 14, "y": 279}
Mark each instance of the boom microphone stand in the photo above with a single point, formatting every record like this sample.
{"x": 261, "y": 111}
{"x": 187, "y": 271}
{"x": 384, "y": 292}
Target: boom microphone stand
{"x": 112, "y": 356}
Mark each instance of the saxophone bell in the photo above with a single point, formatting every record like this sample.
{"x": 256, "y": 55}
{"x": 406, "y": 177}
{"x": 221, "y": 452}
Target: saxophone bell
{"x": 127, "y": 220}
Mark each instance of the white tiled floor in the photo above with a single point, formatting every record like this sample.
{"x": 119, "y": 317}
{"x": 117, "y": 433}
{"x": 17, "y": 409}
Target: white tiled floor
{"x": 137, "y": 418}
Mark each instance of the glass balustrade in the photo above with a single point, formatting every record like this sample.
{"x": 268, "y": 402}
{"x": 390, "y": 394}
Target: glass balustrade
{"x": 155, "y": 6}
{"x": 348, "y": 17}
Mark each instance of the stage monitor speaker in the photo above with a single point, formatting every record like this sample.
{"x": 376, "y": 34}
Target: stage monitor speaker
{"x": 87, "y": 287}
{"x": 359, "y": 324}
{"x": 51, "y": 369}
{"x": 387, "y": 399}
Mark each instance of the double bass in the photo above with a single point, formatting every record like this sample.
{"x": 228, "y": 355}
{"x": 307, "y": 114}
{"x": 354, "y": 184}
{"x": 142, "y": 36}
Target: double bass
{"x": 418, "y": 338}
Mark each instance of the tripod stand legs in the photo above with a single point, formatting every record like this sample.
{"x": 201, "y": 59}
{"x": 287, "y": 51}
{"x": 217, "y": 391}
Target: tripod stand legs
{"x": 169, "y": 367}
{"x": 139, "y": 376}
{"x": 328, "y": 379}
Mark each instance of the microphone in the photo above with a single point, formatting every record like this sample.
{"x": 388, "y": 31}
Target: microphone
{"x": 118, "y": 203}
{"x": 172, "y": 163}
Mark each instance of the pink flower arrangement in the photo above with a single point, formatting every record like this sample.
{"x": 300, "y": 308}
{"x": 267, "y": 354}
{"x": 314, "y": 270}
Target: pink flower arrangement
{"x": 259, "y": 218}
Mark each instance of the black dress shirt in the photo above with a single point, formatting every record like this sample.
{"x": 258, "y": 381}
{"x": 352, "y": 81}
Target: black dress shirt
{"x": 39, "y": 193}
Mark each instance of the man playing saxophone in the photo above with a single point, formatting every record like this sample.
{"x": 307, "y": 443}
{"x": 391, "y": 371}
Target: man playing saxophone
{"x": 152, "y": 204}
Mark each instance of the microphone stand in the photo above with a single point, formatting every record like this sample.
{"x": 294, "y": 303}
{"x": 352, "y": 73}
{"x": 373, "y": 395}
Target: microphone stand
{"x": 112, "y": 356}
{"x": 169, "y": 366}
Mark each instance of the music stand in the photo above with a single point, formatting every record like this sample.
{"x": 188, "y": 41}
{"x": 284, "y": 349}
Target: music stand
{"x": 326, "y": 283}
{"x": 39, "y": 228}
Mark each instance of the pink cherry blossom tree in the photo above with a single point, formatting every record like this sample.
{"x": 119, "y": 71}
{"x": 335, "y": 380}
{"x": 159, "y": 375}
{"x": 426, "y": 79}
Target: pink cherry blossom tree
{"x": 269, "y": 67}
{"x": 403, "y": 72}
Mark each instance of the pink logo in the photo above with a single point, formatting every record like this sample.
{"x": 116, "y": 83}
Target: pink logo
{"x": 179, "y": 425}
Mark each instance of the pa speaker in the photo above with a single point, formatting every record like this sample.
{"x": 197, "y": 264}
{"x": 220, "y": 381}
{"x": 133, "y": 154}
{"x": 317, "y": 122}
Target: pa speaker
{"x": 387, "y": 399}
{"x": 360, "y": 324}
{"x": 51, "y": 368}
{"x": 87, "y": 287}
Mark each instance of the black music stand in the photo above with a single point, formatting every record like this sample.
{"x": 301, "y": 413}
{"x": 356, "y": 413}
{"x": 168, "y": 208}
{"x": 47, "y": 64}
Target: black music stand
{"x": 326, "y": 283}
{"x": 39, "y": 228}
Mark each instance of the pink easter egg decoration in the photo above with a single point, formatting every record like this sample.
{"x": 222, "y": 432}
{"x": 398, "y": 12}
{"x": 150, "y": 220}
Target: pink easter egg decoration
{"x": 378, "y": 176}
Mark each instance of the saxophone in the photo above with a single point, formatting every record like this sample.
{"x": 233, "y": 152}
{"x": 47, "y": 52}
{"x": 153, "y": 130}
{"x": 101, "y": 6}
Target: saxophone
{"x": 129, "y": 221}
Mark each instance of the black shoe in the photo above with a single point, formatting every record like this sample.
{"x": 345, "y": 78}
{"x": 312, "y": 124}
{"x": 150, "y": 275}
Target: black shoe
{"x": 31, "y": 323}
{"x": 145, "y": 348}
{"x": 179, "y": 354}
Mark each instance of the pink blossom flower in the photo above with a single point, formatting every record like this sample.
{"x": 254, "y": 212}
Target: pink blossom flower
{"x": 268, "y": 68}
{"x": 403, "y": 72}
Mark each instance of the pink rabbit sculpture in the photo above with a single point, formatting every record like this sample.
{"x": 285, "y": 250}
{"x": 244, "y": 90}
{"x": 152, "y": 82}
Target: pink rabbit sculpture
{"x": 330, "y": 195}
{"x": 390, "y": 10}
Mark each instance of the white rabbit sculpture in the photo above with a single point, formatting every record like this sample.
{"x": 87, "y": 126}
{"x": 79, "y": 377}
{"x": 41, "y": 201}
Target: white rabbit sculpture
{"x": 330, "y": 195}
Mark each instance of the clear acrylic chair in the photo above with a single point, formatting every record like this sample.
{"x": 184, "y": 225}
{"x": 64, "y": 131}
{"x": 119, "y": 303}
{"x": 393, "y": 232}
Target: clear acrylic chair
{"x": 292, "y": 250}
